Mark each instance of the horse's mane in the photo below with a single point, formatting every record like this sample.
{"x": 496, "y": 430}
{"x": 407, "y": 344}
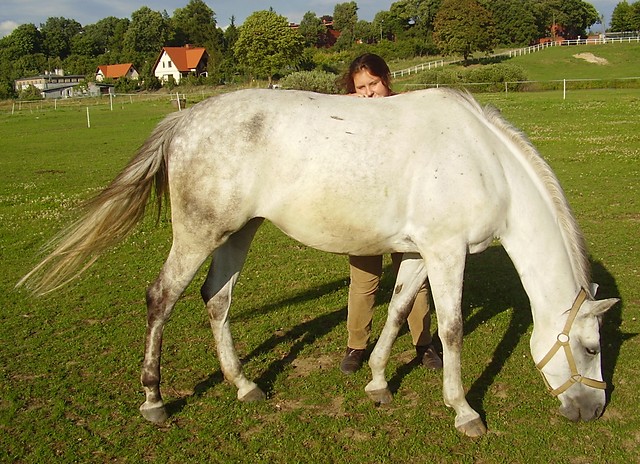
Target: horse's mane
{"x": 571, "y": 233}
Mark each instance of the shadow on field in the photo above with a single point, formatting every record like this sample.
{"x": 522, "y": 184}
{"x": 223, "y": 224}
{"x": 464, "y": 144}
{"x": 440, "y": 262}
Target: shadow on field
{"x": 491, "y": 284}
{"x": 611, "y": 336}
{"x": 302, "y": 335}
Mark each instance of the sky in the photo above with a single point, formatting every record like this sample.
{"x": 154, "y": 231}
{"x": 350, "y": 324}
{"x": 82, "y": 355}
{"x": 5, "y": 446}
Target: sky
{"x": 16, "y": 12}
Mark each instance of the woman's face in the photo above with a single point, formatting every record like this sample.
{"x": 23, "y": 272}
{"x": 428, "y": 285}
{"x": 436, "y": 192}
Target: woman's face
{"x": 369, "y": 86}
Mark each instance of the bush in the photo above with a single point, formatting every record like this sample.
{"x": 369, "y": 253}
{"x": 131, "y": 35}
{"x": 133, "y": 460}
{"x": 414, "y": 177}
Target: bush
{"x": 31, "y": 93}
{"x": 314, "y": 81}
{"x": 492, "y": 77}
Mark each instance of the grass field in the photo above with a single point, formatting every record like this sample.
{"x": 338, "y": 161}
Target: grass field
{"x": 573, "y": 62}
{"x": 69, "y": 362}
{"x": 583, "y": 66}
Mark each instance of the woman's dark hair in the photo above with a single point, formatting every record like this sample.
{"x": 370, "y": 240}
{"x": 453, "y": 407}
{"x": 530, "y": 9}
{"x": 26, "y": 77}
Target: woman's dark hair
{"x": 372, "y": 63}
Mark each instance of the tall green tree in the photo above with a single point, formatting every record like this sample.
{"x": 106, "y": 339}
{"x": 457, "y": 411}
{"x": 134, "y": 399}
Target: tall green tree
{"x": 312, "y": 30}
{"x": 514, "y": 20}
{"x": 230, "y": 37}
{"x": 621, "y": 18}
{"x": 26, "y": 39}
{"x": 196, "y": 24}
{"x": 147, "y": 33}
{"x": 364, "y": 32}
{"x": 345, "y": 18}
{"x": 266, "y": 45}
{"x": 57, "y": 35}
{"x": 385, "y": 26}
{"x": 100, "y": 38}
{"x": 635, "y": 16}
{"x": 572, "y": 16}
{"x": 463, "y": 27}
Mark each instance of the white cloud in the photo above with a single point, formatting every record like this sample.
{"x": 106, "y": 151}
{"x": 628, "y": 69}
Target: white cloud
{"x": 7, "y": 27}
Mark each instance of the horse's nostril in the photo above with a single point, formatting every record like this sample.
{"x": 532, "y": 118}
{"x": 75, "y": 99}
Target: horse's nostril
{"x": 597, "y": 413}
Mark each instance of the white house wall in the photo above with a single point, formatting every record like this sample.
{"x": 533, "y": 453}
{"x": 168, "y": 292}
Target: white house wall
{"x": 166, "y": 68}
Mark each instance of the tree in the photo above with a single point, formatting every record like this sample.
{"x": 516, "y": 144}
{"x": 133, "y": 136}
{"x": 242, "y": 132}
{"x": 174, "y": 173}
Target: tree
{"x": 196, "y": 24}
{"x": 105, "y": 36}
{"x": 57, "y": 35}
{"x": 635, "y": 16}
{"x": 25, "y": 40}
{"x": 462, "y": 27}
{"x": 147, "y": 33}
{"x": 515, "y": 22}
{"x": 312, "y": 30}
{"x": 621, "y": 18}
{"x": 345, "y": 18}
{"x": 572, "y": 16}
{"x": 267, "y": 45}
{"x": 364, "y": 32}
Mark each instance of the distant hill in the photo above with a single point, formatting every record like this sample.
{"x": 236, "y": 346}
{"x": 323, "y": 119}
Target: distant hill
{"x": 607, "y": 61}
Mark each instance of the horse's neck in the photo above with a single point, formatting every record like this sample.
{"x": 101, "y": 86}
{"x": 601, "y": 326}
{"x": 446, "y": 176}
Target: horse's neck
{"x": 538, "y": 248}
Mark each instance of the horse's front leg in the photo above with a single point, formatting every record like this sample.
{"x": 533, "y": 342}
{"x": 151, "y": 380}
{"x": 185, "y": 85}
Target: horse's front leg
{"x": 216, "y": 292}
{"x": 162, "y": 295}
{"x": 411, "y": 275}
{"x": 446, "y": 277}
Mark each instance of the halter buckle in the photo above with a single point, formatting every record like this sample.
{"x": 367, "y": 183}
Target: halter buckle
{"x": 562, "y": 340}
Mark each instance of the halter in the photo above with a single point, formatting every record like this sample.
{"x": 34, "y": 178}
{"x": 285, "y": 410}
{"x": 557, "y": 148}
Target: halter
{"x": 563, "y": 341}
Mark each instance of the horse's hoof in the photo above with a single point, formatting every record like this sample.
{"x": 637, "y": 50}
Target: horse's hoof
{"x": 253, "y": 395}
{"x": 382, "y": 396}
{"x": 156, "y": 415}
{"x": 474, "y": 428}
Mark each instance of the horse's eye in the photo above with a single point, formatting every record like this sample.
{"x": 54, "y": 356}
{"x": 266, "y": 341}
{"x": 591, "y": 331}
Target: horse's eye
{"x": 591, "y": 351}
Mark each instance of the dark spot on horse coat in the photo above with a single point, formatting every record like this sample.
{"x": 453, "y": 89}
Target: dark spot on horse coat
{"x": 254, "y": 127}
{"x": 453, "y": 335}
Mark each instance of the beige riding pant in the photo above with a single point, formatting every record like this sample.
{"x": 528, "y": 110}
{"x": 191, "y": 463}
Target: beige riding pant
{"x": 365, "y": 272}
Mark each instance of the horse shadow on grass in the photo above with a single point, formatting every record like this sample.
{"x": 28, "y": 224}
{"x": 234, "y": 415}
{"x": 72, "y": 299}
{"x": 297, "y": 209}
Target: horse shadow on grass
{"x": 491, "y": 284}
{"x": 301, "y": 335}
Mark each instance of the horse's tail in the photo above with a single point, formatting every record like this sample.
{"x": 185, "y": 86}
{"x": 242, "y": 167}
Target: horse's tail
{"x": 109, "y": 217}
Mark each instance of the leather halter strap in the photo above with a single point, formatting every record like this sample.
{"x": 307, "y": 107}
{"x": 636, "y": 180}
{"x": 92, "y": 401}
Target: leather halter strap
{"x": 562, "y": 341}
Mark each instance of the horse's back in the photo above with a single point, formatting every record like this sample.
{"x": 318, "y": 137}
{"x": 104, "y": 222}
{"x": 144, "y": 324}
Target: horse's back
{"x": 340, "y": 173}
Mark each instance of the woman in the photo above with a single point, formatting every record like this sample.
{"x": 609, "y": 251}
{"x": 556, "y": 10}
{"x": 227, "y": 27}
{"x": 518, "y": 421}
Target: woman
{"x": 369, "y": 77}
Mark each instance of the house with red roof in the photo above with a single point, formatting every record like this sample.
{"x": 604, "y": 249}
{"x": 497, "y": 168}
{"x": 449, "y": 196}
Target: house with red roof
{"x": 116, "y": 71}
{"x": 180, "y": 62}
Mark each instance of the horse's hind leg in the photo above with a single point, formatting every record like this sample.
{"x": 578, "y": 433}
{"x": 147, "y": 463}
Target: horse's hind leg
{"x": 178, "y": 270}
{"x": 216, "y": 293}
{"x": 411, "y": 275}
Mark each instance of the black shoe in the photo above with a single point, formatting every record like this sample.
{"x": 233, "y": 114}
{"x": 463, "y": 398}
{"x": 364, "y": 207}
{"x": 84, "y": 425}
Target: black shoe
{"x": 352, "y": 361}
{"x": 428, "y": 357}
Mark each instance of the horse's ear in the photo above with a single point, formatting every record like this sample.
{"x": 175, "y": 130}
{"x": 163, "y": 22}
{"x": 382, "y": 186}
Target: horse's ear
{"x": 594, "y": 289}
{"x": 599, "y": 307}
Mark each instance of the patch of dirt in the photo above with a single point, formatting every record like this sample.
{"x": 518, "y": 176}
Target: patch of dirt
{"x": 305, "y": 366}
{"x": 591, "y": 58}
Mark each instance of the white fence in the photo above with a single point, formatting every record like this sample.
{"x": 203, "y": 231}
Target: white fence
{"x": 521, "y": 51}
{"x": 563, "y": 43}
{"x": 420, "y": 67}
{"x": 531, "y": 86}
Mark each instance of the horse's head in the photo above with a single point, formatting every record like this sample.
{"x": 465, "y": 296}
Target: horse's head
{"x": 570, "y": 362}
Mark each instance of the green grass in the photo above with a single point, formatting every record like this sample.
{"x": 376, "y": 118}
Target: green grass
{"x": 561, "y": 63}
{"x": 69, "y": 362}
{"x": 558, "y": 63}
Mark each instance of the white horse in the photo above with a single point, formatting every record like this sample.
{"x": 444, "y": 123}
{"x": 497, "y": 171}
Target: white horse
{"x": 428, "y": 173}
